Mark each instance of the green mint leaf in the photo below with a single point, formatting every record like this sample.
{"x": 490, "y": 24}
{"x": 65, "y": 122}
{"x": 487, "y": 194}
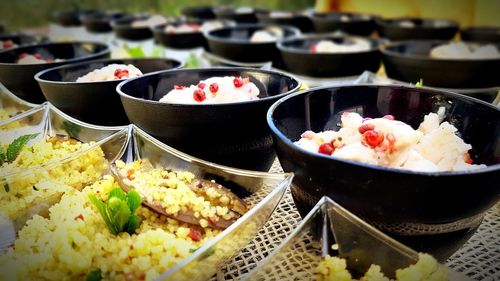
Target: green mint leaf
{"x": 2, "y": 155}
{"x": 118, "y": 193}
{"x": 94, "y": 275}
{"x": 101, "y": 207}
{"x": 16, "y": 146}
{"x": 133, "y": 200}
{"x": 119, "y": 213}
{"x": 133, "y": 223}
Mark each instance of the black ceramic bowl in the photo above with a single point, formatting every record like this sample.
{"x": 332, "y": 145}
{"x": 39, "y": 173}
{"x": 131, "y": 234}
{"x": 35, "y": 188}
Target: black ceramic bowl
{"x": 199, "y": 12}
{"x": 481, "y": 34}
{"x": 233, "y": 134}
{"x": 234, "y": 43}
{"x": 19, "y": 77}
{"x": 124, "y": 30}
{"x": 399, "y": 202}
{"x": 239, "y": 15}
{"x": 17, "y": 38}
{"x": 295, "y": 19}
{"x": 409, "y": 61}
{"x": 71, "y": 18}
{"x": 100, "y": 22}
{"x": 93, "y": 102}
{"x": 298, "y": 57}
{"x": 416, "y": 28}
{"x": 351, "y": 23}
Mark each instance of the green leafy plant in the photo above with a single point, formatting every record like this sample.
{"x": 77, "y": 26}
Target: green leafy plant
{"x": 94, "y": 275}
{"x": 14, "y": 148}
{"x": 119, "y": 210}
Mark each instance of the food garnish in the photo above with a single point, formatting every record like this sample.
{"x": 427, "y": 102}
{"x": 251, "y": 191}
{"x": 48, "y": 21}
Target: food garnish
{"x": 14, "y": 148}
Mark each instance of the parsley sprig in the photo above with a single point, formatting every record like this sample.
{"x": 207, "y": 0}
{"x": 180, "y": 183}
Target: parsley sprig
{"x": 119, "y": 210}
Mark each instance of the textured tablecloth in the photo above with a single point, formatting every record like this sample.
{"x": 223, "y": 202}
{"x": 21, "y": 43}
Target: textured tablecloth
{"x": 479, "y": 258}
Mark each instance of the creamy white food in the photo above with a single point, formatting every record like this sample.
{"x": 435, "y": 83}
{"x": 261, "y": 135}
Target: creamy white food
{"x": 407, "y": 24}
{"x": 266, "y": 35}
{"x": 111, "y": 72}
{"x": 328, "y": 46}
{"x": 434, "y": 147}
{"x": 7, "y": 44}
{"x": 460, "y": 50}
{"x": 150, "y": 22}
{"x": 193, "y": 27}
{"x": 34, "y": 59}
{"x": 280, "y": 14}
{"x": 214, "y": 90}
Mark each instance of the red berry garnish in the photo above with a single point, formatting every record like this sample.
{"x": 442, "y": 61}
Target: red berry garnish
{"x": 121, "y": 73}
{"x": 467, "y": 158}
{"x": 326, "y": 148}
{"x": 37, "y": 56}
{"x": 373, "y": 138}
{"x": 365, "y": 127}
{"x": 312, "y": 49}
{"x": 177, "y": 87}
{"x": 214, "y": 87}
{"x": 238, "y": 82}
{"x": 389, "y": 117}
{"x": 199, "y": 95}
{"x": 23, "y": 55}
{"x": 8, "y": 44}
{"x": 194, "y": 234}
{"x": 201, "y": 85}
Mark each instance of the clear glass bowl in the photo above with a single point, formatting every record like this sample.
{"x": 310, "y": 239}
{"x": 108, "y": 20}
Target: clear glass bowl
{"x": 32, "y": 189}
{"x": 11, "y": 105}
{"x": 261, "y": 191}
{"x": 356, "y": 241}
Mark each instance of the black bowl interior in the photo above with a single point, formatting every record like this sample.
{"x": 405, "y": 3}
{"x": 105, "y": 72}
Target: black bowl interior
{"x": 181, "y": 40}
{"x": 93, "y": 102}
{"x": 17, "y": 38}
{"x": 100, "y": 22}
{"x": 199, "y": 12}
{"x": 19, "y": 78}
{"x": 239, "y": 15}
{"x": 233, "y": 134}
{"x": 388, "y": 198}
{"x": 438, "y": 29}
{"x": 291, "y": 18}
{"x": 70, "y": 18}
{"x": 481, "y": 34}
{"x": 299, "y": 59}
{"x": 351, "y": 23}
{"x": 234, "y": 43}
{"x": 409, "y": 61}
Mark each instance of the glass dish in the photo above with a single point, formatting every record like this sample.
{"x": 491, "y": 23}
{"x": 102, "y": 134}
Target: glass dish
{"x": 11, "y": 105}
{"x": 358, "y": 242}
{"x": 31, "y": 189}
{"x": 261, "y": 191}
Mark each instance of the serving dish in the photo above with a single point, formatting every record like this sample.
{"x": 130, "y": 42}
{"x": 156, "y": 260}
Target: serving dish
{"x": 124, "y": 29}
{"x": 351, "y": 23}
{"x": 407, "y": 28}
{"x": 198, "y": 12}
{"x": 17, "y": 38}
{"x": 234, "y": 43}
{"x": 58, "y": 174}
{"x": 100, "y": 22}
{"x": 71, "y": 18}
{"x": 410, "y": 61}
{"x": 328, "y": 223}
{"x": 239, "y": 15}
{"x": 19, "y": 77}
{"x": 93, "y": 102}
{"x": 234, "y": 134}
{"x": 290, "y": 18}
{"x": 11, "y": 105}
{"x": 481, "y": 34}
{"x": 299, "y": 58}
{"x": 405, "y": 204}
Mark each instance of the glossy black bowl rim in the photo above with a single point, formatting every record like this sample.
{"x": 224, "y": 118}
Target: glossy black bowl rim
{"x": 388, "y": 22}
{"x": 109, "y": 61}
{"x": 281, "y": 47}
{"x": 231, "y": 11}
{"x": 75, "y": 59}
{"x": 122, "y": 23}
{"x": 426, "y": 90}
{"x": 271, "y": 72}
{"x": 295, "y": 14}
{"x": 386, "y": 50}
{"x": 358, "y": 17}
{"x": 209, "y": 36}
{"x": 160, "y": 29}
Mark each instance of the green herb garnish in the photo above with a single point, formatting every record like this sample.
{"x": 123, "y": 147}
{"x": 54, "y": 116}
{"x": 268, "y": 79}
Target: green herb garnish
{"x": 6, "y": 187}
{"x": 118, "y": 211}
{"x": 71, "y": 129}
{"x": 14, "y": 148}
{"x": 193, "y": 61}
{"x": 94, "y": 275}
{"x": 420, "y": 83}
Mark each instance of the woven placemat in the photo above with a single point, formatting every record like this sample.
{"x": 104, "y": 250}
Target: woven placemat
{"x": 479, "y": 258}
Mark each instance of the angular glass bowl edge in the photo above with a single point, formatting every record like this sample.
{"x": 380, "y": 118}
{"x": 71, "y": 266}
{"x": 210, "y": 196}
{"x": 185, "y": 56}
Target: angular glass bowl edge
{"x": 358, "y": 242}
{"x": 8, "y": 99}
{"x": 208, "y": 259}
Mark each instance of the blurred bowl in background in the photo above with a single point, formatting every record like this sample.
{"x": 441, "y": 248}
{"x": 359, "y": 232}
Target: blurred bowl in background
{"x": 69, "y": 18}
{"x": 239, "y": 15}
{"x": 351, "y": 23}
{"x": 290, "y": 18}
{"x": 19, "y": 77}
{"x": 100, "y": 22}
{"x": 481, "y": 34}
{"x": 18, "y": 39}
{"x": 198, "y": 12}
{"x": 416, "y": 28}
